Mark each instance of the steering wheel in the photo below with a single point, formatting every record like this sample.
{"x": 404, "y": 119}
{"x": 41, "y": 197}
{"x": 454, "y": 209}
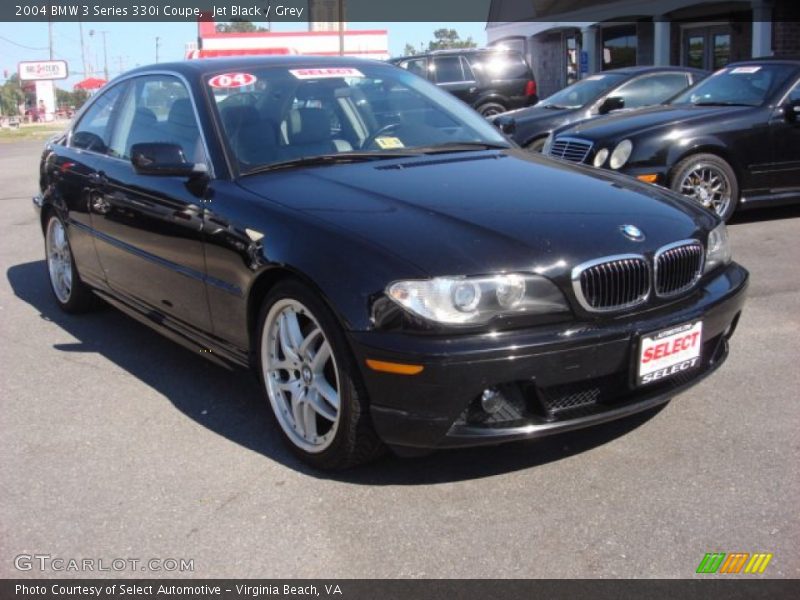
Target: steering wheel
{"x": 371, "y": 138}
{"x": 240, "y": 99}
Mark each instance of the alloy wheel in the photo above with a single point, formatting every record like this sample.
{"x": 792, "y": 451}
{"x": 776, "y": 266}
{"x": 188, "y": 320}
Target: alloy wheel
{"x": 301, "y": 376}
{"x": 59, "y": 260}
{"x": 709, "y": 185}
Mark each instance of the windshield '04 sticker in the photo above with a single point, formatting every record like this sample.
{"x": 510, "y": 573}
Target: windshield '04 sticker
{"x": 232, "y": 80}
{"x": 389, "y": 143}
{"x": 739, "y": 70}
{"x": 325, "y": 73}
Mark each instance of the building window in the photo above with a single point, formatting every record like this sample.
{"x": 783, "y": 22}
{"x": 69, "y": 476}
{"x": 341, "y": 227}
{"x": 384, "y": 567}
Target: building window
{"x": 619, "y": 47}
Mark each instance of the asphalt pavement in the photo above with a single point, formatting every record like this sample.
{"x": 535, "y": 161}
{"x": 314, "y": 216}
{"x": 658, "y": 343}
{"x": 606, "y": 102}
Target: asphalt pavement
{"x": 115, "y": 443}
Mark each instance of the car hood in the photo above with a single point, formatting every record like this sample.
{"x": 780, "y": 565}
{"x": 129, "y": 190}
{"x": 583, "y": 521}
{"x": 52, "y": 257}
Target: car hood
{"x": 625, "y": 124}
{"x": 486, "y": 211}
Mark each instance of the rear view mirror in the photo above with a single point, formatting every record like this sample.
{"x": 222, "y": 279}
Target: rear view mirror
{"x": 792, "y": 111}
{"x": 610, "y": 104}
{"x": 160, "y": 158}
{"x": 506, "y": 124}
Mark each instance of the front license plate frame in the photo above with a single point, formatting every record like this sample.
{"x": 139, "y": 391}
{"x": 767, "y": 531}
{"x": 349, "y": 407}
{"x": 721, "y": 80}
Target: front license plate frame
{"x": 665, "y": 353}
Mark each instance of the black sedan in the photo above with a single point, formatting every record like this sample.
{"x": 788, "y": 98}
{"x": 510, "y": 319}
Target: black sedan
{"x": 360, "y": 238}
{"x": 731, "y": 140}
{"x": 599, "y": 94}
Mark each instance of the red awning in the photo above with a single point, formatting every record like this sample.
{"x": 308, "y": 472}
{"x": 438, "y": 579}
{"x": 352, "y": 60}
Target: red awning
{"x": 90, "y": 83}
{"x": 218, "y": 52}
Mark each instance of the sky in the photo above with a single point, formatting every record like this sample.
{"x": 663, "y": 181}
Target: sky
{"x": 132, "y": 44}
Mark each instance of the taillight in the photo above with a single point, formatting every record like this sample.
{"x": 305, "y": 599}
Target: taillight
{"x": 530, "y": 88}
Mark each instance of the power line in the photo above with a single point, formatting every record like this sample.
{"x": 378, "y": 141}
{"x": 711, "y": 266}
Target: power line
{"x": 5, "y": 39}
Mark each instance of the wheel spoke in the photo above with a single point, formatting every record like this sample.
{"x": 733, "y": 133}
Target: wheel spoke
{"x": 310, "y": 421}
{"x": 289, "y": 331}
{"x": 320, "y": 358}
{"x": 315, "y": 400}
{"x": 298, "y": 417}
{"x": 327, "y": 392}
{"x": 308, "y": 342}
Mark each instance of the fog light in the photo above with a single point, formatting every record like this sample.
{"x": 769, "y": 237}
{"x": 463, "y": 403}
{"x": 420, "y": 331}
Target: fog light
{"x": 492, "y": 400}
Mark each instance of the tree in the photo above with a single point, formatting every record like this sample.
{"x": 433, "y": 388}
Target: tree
{"x": 449, "y": 38}
{"x": 409, "y": 50}
{"x": 75, "y": 99}
{"x": 239, "y": 26}
{"x": 11, "y": 96}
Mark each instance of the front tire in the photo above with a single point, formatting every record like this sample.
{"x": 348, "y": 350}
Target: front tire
{"x": 536, "y": 145}
{"x": 72, "y": 295}
{"x": 311, "y": 381}
{"x": 491, "y": 108}
{"x": 709, "y": 180}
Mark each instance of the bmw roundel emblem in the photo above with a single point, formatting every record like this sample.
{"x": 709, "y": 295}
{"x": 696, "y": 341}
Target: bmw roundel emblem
{"x": 632, "y": 232}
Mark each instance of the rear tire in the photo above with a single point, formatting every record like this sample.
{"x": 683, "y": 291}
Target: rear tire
{"x": 71, "y": 294}
{"x": 312, "y": 382}
{"x": 491, "y": 108}
{"x": 709, "y": 180}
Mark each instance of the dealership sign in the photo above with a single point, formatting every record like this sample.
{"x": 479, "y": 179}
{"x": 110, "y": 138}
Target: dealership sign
{"x": 42, "y": 70}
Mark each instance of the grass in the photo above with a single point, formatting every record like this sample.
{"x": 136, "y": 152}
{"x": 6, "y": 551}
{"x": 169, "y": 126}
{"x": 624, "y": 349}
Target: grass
{"x": 32, "y": 132}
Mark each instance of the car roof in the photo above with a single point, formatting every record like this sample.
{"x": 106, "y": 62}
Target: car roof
{"x": 215, "y": 65}
{"x": 781, "y": 60}
{"x": 457, "y": 51}
{"x": 653, "y": 69}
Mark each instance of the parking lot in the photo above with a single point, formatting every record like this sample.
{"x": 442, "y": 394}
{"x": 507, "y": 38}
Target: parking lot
{"x": 117, "y": 443}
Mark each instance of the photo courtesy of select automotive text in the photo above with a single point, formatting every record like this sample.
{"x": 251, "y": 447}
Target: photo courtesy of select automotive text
{"x": 407, "y": 300}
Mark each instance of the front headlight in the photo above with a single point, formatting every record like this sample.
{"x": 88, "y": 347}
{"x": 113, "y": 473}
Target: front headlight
{"x": 600, "y": 157}
{"x": 718, "y": 249}
{"x": 547, "y": 143}
{"x": 621, "y": 154}
{"x": 477, "y": 300}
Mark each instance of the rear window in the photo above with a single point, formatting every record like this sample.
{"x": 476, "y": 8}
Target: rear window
{"x": 500, "y": 65}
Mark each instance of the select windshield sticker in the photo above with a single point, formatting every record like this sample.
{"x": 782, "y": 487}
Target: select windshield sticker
{"x": 232, "y": 80}
{"x": 388, "y": 143}
{"x": 745, "y": 70}
{"x": 325, "y": 73}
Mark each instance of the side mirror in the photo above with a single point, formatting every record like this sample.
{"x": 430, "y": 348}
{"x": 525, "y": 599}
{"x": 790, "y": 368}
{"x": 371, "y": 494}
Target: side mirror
{"x": 611, "y": 103}
{"x": 506, "y": 124}
{"x": 791, "y": 111}
{"x": 86, "y": 140}
{"x": 160, "y": 158}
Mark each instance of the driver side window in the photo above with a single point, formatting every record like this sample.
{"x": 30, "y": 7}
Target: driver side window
{"x": 93, "y": 131}
{"x": 794, "y": 95}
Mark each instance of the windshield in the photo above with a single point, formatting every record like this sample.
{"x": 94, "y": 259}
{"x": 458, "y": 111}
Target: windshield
{"x": 276, "y": 115}
{"x": 583, "y": 92}
{"x": 747, "y": 85}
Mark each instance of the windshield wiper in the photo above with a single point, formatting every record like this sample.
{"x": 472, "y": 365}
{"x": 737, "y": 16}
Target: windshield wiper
{"x": 558, "y": 106}
{"x": 327, "y": 159}
{"x": 719, "y": 103}
{"x": 459, "y": 147}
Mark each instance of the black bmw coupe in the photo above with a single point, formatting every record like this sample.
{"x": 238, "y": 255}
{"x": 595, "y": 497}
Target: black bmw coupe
{"x": 396, "y": 273}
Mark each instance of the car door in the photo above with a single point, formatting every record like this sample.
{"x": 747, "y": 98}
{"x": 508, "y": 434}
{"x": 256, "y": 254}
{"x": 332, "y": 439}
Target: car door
{"x": 72, "y": 171}
{"x": 448, "y": 74}
{"x": 150, "y": 227}
{"x": 785, "y": 136}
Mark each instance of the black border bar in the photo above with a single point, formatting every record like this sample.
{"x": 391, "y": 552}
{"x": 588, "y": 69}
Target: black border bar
{"x": 711, "y": 588}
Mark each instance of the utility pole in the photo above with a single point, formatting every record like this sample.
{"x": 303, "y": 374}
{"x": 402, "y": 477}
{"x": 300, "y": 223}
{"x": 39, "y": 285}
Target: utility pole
{"x": 105, "y": 51}
{"x": 340, "y": 10}
{"x": 158, "y": 43}
{"x": 50, "y": 36}
{"x": 83, "y": 49}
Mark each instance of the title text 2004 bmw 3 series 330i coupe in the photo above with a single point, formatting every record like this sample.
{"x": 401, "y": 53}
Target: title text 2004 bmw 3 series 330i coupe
{"x": 394, "y": 269}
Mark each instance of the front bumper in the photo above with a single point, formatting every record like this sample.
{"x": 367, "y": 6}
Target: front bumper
{"x": 560, "y": 377}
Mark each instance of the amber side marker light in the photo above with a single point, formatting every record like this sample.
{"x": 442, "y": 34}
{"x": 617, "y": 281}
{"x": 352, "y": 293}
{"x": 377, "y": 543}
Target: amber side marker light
{"x": 391, "y": 367}
{"x": 647, "y": 178}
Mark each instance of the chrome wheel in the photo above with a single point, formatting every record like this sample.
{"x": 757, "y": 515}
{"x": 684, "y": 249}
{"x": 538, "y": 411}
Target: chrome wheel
{"x": 709, "y": 185}
{"x": 59, "y": 260}
{"x": 301, "y": 376}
